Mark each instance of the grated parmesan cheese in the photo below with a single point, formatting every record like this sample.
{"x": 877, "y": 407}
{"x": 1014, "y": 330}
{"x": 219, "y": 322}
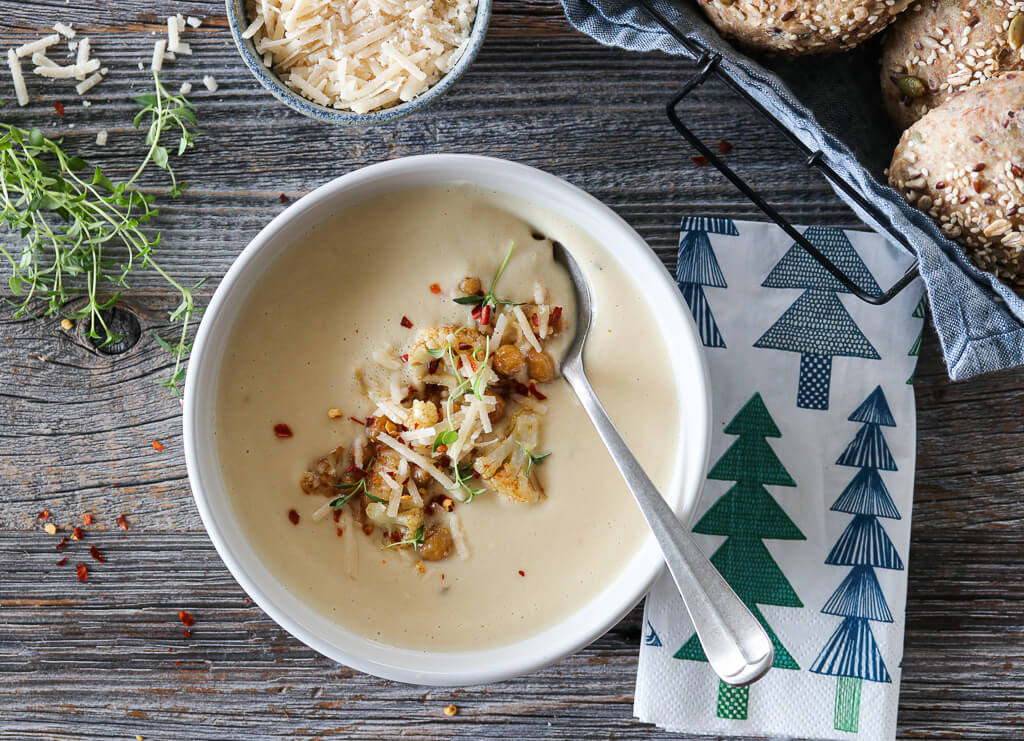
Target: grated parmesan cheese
{"x": 360, "y": 55}
{"x": 101, "y": 138}
{"x": 88, "y": 83}
{"x": 19, "y": 79}
{"x": 64, "y": 30}
{"x": 159, "y": 47}
{"x": 186, "y": 88}
{"x": 194, "y": 22}
{"x": 27, "y": 50}
{"x": 210, "y": 83}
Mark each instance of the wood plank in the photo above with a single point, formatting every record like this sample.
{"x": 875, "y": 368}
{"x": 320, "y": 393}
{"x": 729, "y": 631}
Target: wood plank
{"x": 97, "y": 660}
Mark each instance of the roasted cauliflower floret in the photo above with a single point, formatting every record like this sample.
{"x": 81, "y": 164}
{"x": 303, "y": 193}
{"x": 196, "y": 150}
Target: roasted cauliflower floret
{"x": 504, "y": 468}
{"x": 324, "y": 474}
{"x": 424, "y": 414}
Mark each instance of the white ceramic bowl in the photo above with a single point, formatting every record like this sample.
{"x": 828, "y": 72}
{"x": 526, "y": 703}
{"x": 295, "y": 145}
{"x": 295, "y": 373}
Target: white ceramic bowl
{"x": 622, "y": 592}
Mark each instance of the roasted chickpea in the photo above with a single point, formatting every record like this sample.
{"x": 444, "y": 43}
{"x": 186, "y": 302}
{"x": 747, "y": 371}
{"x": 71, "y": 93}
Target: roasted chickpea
{"x": 437, "y": 544}
{"x": 470, "y": 286}
{"x": 540, "y": 366}
{"x": 381, "y": 424}
{"x": 499, "y": 410}
{"x": 508, "y": 361}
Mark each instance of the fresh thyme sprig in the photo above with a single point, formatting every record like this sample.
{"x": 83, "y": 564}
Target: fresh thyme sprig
{"x": 489, "y": 300}
{"x": 416, "y": 541}
{"x": 83, "y": 234}
{"x": 351, "y": 490}
{"x": 167, "y": 113}
{"x": 531, "y": 457}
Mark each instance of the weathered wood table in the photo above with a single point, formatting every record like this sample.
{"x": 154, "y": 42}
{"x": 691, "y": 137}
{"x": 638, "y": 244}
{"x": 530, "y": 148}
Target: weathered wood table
{"x": 107, "y": 659}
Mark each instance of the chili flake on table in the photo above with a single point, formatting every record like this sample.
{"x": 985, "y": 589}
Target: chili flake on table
{"x": 186, "y": 619}
{"x": 122, "y": 521}
{"x": 282, "y": 430}
{"x": 82, "y": 572}
{"x": 157, "y": 446}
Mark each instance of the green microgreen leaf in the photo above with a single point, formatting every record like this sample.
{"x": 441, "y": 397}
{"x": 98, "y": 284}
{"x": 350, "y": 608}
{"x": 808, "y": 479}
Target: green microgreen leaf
{"x": 416, "y": 541}
{"x": 435, "y": 352}
{"x": 531, "y": 457}
{"x": 448, "y": 437}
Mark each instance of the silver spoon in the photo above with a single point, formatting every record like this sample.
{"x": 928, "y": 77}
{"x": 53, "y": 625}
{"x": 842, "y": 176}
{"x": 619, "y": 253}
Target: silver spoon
{"x": 735, "y": 643}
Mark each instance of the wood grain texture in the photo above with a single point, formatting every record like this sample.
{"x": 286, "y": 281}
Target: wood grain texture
{"x": 107, "y": 658}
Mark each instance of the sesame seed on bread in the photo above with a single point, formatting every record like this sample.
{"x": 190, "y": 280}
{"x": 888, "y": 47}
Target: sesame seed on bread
{"x": 962, "y": 163}
{"x": 941, "y": 46}
{"x": 796, "y": 27}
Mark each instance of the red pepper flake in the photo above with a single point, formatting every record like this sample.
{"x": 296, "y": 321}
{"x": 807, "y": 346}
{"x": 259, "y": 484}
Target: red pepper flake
{"x": 44, "y": 515}
{"x": 520, "y": 388}
{"x": 157, "y": 446}
{"x": 699, "y": 159}
{"x": 248, "y": 600}
{"x": 293, "y": 516}
{"x": 556, "y": 317}
{"x": 59, "y": 107}
{"x": 337, "y": 515}
{"x": 535, "y": 393}
{"x": 187, "y": 620}
{"x": 364, "y": 422}
{"x": 534, "y": 320}
{"x": 472, "y": 364}
{"x": 76, "y": 533}
{"x": 187, "y": 633}
{"x": 82, "y": 572}
{"x": 432, "y": 366}
{"x": 406, "y": 322}
{"x": 87, "y": 519}
{"x": 978, "y": 167}
{"x": 485, "y": 315}
{"x": 475, "y": 313}
{"x": 177, "y": 663}
{"x": 340, "y": 532}
{"x": 282, "y": 430}
{"x": 95, "y": 553}
{"x": 405, "y": 358}
{"x": 283, "y": 198}
{"x": 435, "y": 288}
{"x": 62, "y": 561}
{"x": 122, "y": 521}
{"x": 367, "y": 528}
{"x": 522, "y": 573}
{"x": 725, "y": 147}
{"x": 62, "y": 544}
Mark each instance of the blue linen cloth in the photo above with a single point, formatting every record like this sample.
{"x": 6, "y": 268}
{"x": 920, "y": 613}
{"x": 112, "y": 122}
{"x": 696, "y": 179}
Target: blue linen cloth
{"x": 979, "y": 320}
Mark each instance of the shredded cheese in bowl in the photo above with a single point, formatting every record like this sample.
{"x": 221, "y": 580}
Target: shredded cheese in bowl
{"x": 360, "y": 55}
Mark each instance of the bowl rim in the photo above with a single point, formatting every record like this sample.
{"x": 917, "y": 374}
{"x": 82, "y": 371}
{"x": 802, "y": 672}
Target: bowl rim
{"x": 611, "y": 603}
{"x": 269, "y": 79}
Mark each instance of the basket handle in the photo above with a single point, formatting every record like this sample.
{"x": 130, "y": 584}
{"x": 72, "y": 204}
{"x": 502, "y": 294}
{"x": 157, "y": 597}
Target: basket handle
{"x": 708, "y": 63}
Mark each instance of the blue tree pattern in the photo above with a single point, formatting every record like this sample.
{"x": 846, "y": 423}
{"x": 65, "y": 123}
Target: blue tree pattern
{"x": 851, "y": 654}
{"x": 817, "y": 325}
{"x": 915, "y": 349}
{"x": 698, "y": 267}
{"x": 652, "y": 639}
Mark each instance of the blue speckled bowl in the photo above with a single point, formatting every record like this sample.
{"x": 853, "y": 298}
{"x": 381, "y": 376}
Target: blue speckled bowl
{"x": 305, "y": 106}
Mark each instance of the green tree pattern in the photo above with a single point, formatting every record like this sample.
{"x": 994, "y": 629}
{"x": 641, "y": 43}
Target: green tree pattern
{"x": 747, "y": 514}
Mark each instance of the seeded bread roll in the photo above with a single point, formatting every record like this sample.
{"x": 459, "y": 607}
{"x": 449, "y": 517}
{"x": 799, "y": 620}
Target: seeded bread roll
{"x": 941, "y": 46}
{"x": 963, "y": 165}
{"x": 796, "y": 27}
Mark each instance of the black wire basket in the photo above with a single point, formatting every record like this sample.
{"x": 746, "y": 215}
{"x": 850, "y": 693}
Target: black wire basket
{"x": 709, "y": 63}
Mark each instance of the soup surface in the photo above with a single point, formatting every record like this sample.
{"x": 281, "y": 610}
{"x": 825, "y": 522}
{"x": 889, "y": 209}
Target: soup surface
{"x": 339, "y": 295}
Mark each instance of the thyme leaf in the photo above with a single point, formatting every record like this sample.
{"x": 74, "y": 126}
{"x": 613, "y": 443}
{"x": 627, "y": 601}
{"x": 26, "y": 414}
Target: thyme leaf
{"x": 83, "y": 234}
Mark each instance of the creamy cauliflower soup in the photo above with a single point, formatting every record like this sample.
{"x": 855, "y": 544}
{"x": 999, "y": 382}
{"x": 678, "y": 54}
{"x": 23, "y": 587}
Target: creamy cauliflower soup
{"x": 395, "y": 438}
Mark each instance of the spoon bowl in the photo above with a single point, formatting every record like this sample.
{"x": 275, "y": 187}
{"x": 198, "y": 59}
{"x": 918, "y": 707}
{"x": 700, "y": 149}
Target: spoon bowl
{"x": 735, "y": 643}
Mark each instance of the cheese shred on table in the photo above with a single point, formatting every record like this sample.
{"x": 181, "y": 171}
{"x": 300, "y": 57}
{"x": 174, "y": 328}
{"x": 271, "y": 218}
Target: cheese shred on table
{"x": 360, "y": 55}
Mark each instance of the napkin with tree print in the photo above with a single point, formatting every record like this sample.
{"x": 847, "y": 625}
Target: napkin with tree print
{"x": 806, "y": 507}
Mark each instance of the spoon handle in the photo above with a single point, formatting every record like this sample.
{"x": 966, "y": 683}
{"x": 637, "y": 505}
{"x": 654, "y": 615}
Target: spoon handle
{"x": 735, "y": 643}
